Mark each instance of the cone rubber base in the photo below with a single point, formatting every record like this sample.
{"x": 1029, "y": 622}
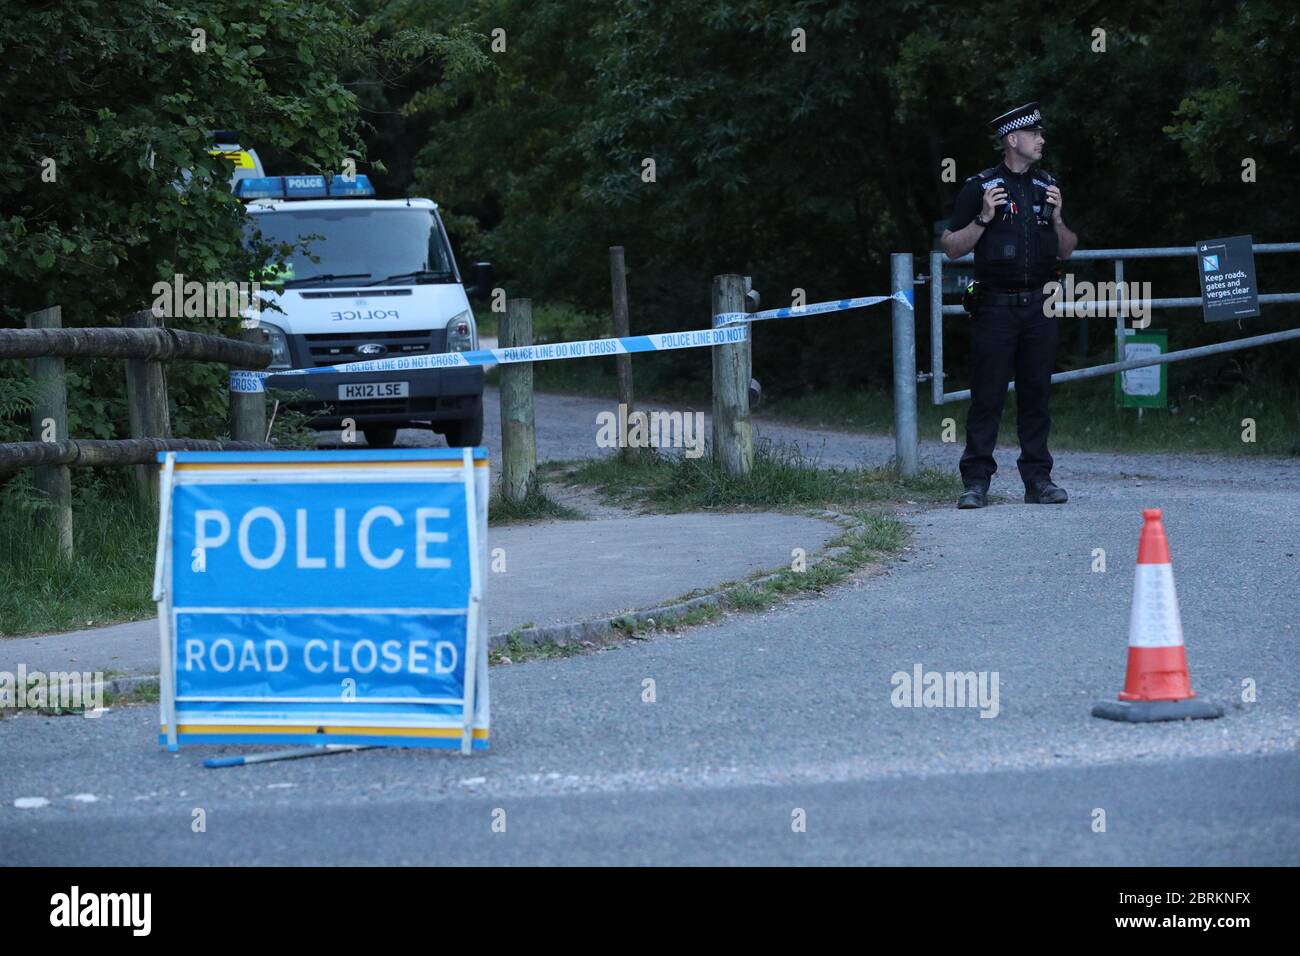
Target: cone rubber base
{"x": 1148, "y": 711}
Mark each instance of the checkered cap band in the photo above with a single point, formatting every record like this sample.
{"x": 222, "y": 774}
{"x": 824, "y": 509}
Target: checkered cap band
{"x": 1020, "y": 122}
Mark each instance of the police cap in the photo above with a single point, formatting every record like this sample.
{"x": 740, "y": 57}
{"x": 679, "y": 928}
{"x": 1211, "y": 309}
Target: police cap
{"x": 1012, "y": 121}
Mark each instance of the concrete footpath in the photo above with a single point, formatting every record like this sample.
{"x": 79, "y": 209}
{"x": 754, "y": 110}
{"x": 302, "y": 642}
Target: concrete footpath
{"x": 562, "y": 580}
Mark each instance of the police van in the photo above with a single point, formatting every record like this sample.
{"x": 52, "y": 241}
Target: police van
{"x": 367, "y": 279}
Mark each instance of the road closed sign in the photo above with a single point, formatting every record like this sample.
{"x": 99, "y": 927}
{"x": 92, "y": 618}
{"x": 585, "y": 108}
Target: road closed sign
{"x": 323, "y": 598}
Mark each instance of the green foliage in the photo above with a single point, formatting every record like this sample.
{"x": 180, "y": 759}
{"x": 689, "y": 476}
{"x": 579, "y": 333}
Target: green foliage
{"x": 16, "y": 398}
{"x": 108, "y": 579}
{"x": 806, "y": 170}
{"x": 802, "y": 169}
{"x": 1249, "y": 102}
{"x": 123, "y": 107}
{"x": 108, "y": 106}
{"x": 289, "y": 427}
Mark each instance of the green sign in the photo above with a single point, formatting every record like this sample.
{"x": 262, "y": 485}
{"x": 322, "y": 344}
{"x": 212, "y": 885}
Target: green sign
{"x": 1146, "y": 387}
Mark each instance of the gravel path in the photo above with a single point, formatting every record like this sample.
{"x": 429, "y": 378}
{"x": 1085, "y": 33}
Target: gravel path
{"x": 566, "y": 430}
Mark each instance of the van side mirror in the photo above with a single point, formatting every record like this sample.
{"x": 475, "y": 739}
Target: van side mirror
{"x": 483, "y": 277}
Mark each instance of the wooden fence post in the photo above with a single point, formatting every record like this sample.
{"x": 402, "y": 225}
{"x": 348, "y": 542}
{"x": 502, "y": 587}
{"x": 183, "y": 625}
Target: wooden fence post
{"x": 733, "y": 436}
{"x": 248, "y": 409}
{"x": 146, "y": 397}
{"x": 518, "y": 425}
{"x": 622, "y": 329}
{"x": 50, "y": 423}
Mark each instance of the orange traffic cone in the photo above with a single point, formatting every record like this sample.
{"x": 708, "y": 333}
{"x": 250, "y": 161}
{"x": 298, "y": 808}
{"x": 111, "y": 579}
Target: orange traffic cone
{"x": 1157, "y": 686}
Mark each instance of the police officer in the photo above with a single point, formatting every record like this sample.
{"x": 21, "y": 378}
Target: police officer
{"x": 1010, "y": 214}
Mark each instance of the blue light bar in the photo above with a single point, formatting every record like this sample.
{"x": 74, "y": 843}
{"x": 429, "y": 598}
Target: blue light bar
{"x": 306, "y": 186}
{"x": 260, "y": 187}
{"x": 359, "y": 186}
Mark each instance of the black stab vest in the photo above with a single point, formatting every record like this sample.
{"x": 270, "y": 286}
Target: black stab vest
{"x": 1019, "y": 249}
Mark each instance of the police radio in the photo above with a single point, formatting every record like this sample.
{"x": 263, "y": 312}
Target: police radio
{"x": 1040, "y": 195}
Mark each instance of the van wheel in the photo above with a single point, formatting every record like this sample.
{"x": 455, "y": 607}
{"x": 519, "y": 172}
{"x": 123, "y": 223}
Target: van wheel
{"x": 380, "y": 436}
{"x": 465, "y": 432}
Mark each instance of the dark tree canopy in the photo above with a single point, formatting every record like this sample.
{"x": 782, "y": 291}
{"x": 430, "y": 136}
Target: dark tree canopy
{"x": 801, "y": 143}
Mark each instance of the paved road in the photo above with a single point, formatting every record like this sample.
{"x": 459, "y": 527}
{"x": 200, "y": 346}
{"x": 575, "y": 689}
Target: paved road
{"x": 1195, "y": 812}
{"x": 759, "y": 715}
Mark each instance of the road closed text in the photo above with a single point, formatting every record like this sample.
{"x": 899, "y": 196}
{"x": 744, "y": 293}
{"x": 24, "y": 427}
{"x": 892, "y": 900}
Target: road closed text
{"x": 317, "y": 656}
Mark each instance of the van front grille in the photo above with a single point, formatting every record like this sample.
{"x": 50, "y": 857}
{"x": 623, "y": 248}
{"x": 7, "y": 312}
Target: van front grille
{"x": 355, "y": 294}
{"x": 333, "y": 348}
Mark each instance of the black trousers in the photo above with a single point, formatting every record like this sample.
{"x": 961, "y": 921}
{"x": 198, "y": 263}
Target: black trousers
{"x": 1010, "y": 341}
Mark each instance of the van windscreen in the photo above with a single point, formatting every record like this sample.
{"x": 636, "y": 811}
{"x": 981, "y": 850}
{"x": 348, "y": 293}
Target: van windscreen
{"x": 365, "y": 244}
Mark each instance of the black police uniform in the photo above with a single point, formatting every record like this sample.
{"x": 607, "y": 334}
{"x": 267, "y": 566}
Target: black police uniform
{"x": 1012, "y": 337}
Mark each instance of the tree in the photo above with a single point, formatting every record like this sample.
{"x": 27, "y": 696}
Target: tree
{"x": 105, "y": 107}
{"x": 806, "y": 169}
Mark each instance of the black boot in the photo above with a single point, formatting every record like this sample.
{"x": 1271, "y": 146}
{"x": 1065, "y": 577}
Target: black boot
{"x": 975, "y": 496}
{"x": 1045, "y": 493}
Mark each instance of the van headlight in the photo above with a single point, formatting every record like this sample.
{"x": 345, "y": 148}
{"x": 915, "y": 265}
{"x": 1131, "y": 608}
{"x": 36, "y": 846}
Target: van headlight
{"x": 279, "y": 343}
{"x": 461, "y": 334}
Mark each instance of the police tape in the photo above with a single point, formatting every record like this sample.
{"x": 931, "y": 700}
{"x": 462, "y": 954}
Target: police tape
{"x": 729, "y": 327}
{"x": 243, "y": 382}
{"x": 816, "y": 308}
{"x": 247, "y": 382}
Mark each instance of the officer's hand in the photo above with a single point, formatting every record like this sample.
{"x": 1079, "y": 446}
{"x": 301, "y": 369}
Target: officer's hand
{"x": 992, "y": 199}
{"x": 1054, "y": 197}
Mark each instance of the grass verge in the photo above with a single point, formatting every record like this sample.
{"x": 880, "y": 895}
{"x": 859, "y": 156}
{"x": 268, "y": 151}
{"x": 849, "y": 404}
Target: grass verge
{"x": 108, "y": 580}
{"x": 536, "y": 506}
{"x": 147, "y": 693}
{"x": 782, "y": 476}
{"x": 517, "y": 650}
{"x": 1085, "y": 418}
{"x": 866, "y": 538}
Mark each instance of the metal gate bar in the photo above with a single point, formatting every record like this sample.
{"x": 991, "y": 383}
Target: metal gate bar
{"x": 938, "y": 310}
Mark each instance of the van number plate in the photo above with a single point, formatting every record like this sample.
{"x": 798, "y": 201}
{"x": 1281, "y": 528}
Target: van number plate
{"x": 357, "y": 390}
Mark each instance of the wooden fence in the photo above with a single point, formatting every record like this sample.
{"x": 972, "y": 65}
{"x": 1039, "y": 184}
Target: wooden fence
{"x": 145, "y": 346}
{"x": 734, "y": 389}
